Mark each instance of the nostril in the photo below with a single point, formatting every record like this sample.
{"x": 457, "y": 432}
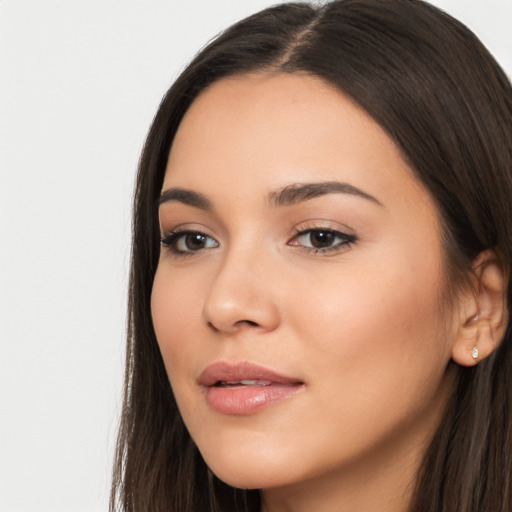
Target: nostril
{"x": 212, "y": 327}
{"x": 247, "y": 322}
{"x": 240, "y": 323}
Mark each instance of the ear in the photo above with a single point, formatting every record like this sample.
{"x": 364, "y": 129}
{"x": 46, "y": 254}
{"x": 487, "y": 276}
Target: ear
{"x": 483, "y": 312}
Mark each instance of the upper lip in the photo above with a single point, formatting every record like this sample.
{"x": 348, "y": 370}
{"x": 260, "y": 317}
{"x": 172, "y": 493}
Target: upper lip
{"x": 226, "y": 372}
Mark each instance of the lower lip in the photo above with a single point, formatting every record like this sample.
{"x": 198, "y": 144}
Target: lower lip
{"x": 243, "y": 400}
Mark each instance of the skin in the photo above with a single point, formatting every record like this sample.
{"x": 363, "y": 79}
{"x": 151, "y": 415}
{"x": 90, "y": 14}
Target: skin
{"x": 361, "y": 326}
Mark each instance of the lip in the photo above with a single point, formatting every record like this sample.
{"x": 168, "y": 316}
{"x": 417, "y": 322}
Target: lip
{"x": 245, "y": 388}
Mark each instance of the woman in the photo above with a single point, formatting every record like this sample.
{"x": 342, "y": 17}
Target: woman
{"x": 321, "y": 266}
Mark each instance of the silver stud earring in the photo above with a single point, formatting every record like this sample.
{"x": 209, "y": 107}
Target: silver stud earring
{"x": 474, "y": 353}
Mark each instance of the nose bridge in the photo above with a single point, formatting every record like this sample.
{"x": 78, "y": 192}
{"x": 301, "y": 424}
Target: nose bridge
{"x": 242, "y": 291}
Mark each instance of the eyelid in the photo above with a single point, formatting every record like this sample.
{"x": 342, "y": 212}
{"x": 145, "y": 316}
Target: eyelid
{"x": 186, "y": 227}
{"x": 322, "y": 225}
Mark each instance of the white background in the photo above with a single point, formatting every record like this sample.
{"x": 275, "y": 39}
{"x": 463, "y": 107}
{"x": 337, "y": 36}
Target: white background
{"x": 79, "y": 83}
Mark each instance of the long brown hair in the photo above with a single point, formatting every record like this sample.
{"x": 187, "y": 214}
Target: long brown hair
{"x": 439, "y": 94}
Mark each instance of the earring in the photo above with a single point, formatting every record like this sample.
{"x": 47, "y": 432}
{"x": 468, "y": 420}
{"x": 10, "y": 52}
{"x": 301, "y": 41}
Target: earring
{"x": 474, "y": 352}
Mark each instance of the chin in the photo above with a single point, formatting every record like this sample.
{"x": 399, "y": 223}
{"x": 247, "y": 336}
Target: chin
{"x": 245, "y": 481}
{"x": 255, "y": 478}
{"x": 244, "y": 472}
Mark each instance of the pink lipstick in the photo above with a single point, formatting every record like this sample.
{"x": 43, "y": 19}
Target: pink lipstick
{"x": 245, "y": 388}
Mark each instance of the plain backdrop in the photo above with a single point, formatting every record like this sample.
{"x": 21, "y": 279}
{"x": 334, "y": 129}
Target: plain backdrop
{"x": 80, "y": 81}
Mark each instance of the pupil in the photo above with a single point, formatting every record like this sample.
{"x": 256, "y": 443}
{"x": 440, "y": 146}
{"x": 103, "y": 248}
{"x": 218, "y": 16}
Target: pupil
{"x": 321, "y": 239}
{"x": 195, "y": 241}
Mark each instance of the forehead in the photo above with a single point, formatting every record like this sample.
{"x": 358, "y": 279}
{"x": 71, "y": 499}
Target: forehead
{"x": 261, "y": 132}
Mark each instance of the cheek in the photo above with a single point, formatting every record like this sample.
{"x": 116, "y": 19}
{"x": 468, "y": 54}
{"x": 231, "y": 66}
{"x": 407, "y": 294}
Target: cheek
{"x": 175, "y": 316}
{"x": 378, "y": 325}
{"x": 366, "y": 297}
{"x": 377, "y": 349}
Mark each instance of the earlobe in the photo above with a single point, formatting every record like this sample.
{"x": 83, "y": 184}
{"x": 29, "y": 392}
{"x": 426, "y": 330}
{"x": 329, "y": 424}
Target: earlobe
{"x": 483, "y": 312}
{"x": 474, "y": 343}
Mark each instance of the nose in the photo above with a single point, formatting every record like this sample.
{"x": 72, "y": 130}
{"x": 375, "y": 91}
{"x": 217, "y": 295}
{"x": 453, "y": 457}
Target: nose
{"x": 243, "y": 295}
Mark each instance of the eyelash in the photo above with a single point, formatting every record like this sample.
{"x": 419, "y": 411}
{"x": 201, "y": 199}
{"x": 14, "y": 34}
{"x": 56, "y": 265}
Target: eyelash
{"x": 172, "y": 239}
{"x": 345, "y": 242}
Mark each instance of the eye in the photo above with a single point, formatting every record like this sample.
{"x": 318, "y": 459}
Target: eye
{"x": 322, "y": 240}
{"x": 187, "y": 242}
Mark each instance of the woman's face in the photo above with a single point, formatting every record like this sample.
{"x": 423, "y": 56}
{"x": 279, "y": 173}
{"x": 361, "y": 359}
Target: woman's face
{"x": 298, "y": 297}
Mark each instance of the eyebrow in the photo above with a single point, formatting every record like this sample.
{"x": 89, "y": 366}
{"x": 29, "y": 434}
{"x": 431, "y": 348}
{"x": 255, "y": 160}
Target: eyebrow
{"x": 185, "y": 196}
{"x": 299, "y": 192}
{"x": 287, "y": 196}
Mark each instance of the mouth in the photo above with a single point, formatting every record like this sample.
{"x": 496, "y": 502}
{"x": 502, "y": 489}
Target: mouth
{"x": 245, "y": 388}
{"x": 247, "y": 382}
{"x": 242, "y": 374}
